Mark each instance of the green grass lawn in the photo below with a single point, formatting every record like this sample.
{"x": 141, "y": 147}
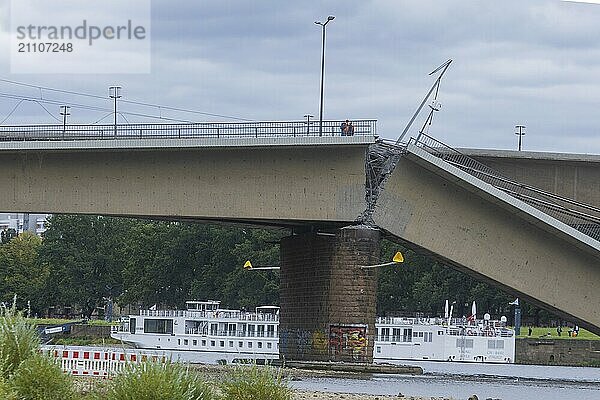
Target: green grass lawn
{"x": 538, "y": 332}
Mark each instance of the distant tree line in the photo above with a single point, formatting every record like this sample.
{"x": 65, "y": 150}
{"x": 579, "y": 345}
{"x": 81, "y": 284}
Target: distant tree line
{"x": 84, "y": 260}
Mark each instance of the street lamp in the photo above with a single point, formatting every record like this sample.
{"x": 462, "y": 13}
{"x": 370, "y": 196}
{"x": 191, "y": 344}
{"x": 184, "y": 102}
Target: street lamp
{"x": 114, "y": 92}
{"x": 64, "y": 111}
{"x": 323, "y": 25}
{"x": 308, "y": 117}
{"x": 521, "y": 128}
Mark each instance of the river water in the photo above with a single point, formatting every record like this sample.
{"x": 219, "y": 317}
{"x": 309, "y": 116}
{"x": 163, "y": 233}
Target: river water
{"x": 461, "y": 380}
{"x": 443, "y": 379}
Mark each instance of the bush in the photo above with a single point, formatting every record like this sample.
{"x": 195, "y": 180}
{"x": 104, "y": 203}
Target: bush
{"x": 156, "y": 381}
{"x": 19, "y": 340}
{"x": 256, "y": 383}
{"x": 40, "y": 378}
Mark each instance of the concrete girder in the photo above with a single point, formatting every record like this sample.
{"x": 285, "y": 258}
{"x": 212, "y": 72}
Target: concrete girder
{"x": 302, "y": 184}
{"x": 471, "y": 230}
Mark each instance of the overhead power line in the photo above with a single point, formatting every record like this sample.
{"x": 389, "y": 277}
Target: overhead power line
{"x": 12, "y": 111}
{"x": 86, "y": 107}
{"x": 140, "y": 103}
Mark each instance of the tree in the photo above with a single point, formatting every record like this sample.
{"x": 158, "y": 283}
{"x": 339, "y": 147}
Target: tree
{"x": 84, "y": 256}
{"x": 20, "y": 272}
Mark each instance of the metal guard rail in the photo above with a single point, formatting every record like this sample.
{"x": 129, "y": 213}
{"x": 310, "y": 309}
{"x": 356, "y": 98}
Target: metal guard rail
{"x": 561, "y": 208}
{"x": 362, "y": 127}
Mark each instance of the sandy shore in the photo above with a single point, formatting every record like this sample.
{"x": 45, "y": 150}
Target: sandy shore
{"x": 305, "y": 395}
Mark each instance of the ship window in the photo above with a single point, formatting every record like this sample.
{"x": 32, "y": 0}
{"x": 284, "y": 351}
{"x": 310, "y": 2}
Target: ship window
{"x": 212, "y": 343}
{"x": 231, "y": 343}
{"x": 213, "y": 329}
{"x": 195, "y": 343}
{"x": 420, "y": 334}
{"x": 260, "y": 345}
{"x": 495, "y": 344}
{"x": 185, "y": 342}
{"x": 132, "y": 323}
{"x": 466, "y": 343}
{"x": 500, "y": 344}
{"x": 162, "y": 326}
{"x": 231, "y": 329}
{"x": 407, "y": 337}
{"x": 385, "y": 334}
{"x": 178, "y": 342}
{"x": 269, "y": 345}
{"x": 222, "y": 343}
{"x": 378, "y": 349}
{"x": 249, "y": 345}
{"x": 440, "y": 333}
{"x": 204, "y": 343}
{"x": 240, "y": 344}
{"x": 415, "y": 334}
{"x": 271, "y": 330}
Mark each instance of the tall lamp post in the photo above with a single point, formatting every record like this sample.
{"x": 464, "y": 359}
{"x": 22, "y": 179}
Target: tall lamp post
{"x": 323, "y": 25}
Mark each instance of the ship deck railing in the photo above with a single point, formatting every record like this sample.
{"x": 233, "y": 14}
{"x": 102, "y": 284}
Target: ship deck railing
{"x": 203, "y": 332}
{"x": 197, "y": 314}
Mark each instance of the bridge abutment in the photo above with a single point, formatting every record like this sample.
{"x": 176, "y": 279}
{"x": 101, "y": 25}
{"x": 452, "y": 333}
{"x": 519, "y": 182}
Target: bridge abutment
{"x": 328, "y": 302}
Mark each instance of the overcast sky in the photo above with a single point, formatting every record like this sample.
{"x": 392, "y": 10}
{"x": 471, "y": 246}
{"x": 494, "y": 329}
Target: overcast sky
{"x": 530, "y": 62}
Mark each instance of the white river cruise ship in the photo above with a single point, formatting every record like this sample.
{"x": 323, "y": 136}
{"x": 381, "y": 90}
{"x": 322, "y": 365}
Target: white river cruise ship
{"x": 228, "y": 335}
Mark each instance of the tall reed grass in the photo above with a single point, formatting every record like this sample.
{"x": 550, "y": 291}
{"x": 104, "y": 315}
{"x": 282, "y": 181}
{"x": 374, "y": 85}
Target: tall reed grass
{"x": 155, "y": 381}
{"x": 19, "y": 340}
{"x": 255, "y": 383}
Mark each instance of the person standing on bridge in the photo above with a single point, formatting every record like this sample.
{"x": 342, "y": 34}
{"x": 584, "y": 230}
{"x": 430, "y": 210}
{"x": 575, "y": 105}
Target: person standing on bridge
{"x": 350, "y": 129}
{"x": 344, "y": 128}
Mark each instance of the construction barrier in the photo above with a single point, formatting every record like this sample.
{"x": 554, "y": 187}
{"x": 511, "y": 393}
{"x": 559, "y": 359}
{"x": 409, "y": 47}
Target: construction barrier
{"x": 101, "y": 363}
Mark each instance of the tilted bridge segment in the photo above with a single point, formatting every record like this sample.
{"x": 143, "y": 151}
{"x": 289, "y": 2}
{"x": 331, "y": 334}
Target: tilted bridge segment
{"x": 534, "y": 243}
{"x": 528, "y": 241}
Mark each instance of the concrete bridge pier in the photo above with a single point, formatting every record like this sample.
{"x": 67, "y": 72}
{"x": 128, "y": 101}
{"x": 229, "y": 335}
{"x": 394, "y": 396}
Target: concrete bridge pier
{"x": 328, "y": 302}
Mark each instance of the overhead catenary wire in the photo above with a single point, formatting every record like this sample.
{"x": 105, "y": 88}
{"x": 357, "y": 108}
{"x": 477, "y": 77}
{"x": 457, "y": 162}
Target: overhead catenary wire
{"x": 12, "y": 111}
{"x": 87, "y": 107}
{"x": 140, "y": 103}
{"x": 45, "y": 109}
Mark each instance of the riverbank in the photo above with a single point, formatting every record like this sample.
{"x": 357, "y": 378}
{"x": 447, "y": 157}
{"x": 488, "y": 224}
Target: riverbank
{"x": 305, "y": 395}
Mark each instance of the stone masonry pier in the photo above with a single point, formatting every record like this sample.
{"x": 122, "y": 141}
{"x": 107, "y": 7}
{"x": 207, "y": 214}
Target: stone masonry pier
{"x": 327, "y": 301}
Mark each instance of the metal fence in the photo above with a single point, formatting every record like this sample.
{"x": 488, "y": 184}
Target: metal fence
{"x": 583, "y": 217}
{"x": 363, "y": 127}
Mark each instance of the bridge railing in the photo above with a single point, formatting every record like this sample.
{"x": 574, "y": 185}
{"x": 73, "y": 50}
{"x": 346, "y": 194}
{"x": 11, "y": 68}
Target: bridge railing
{"x": 362, "y": 127}
{"x": 583, "y": 217}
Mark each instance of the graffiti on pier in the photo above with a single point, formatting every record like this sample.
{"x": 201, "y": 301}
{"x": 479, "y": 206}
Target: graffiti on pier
{"x": 348, "y": 342}
{"x": 319, "y": 342}
{"x": 303, "y": 341}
